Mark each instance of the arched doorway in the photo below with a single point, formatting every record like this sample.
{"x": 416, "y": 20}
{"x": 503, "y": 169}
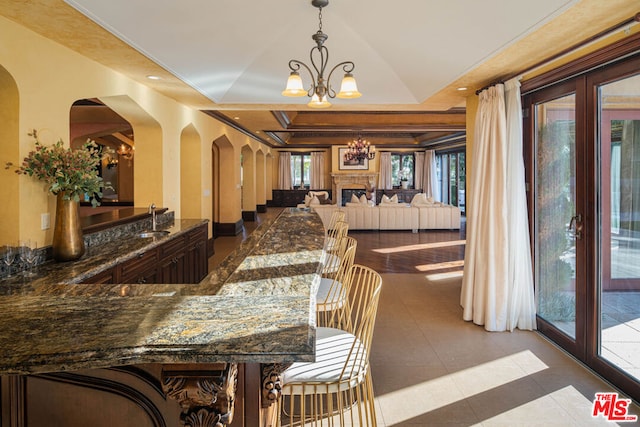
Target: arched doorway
{"x": 9, "y": 151}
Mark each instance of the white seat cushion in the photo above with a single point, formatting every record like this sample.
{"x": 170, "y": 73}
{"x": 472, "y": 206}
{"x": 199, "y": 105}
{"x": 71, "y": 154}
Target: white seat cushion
{"x": 331, "y": 263}
{"x": 331, "y": 244}
{"x": 329, "y": 302}
{"x": 333, "y": 348}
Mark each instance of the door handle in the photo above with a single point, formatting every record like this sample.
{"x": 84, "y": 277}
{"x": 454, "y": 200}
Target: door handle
{"x": 576, "y": 225}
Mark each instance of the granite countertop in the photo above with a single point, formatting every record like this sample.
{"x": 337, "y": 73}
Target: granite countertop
{"x": 98, "y": 257}
{"x": 258, "y": 305}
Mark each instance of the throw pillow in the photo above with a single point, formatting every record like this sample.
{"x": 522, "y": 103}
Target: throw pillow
{"x": 363, "y": 199}
{"x": 389, "y": 200}
{"x": 307, "y": 200}
{"x": 314, "y": 201}
{"x": 419, "y": 199}
{"x": 354, "y": 199}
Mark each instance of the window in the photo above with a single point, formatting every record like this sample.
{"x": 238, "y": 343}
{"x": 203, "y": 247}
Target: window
{"x": 300, "y": 168}
{"x": 402, "y": 168}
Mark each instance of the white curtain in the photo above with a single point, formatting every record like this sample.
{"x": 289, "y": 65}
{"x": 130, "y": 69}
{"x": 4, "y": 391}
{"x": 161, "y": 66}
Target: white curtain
{"x": 418, "y": 170}
{"x": 430, "y": 175}
{"x": 317, "y": 170}
{"x": 522, "y": 307}
{"x": 497, "y": 285}
{"x": 284, "y": 171}
{"x": 385, "y": 179}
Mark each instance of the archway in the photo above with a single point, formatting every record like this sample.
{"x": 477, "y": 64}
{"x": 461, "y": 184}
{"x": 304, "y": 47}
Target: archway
{"x": 226, "y": 191}
{"x": 261, "y": 185}
{"x": 269, "y": 178}
{"x": 248, "y": 184}
{"x": 9, "y": 151}
{"x": 190, "y": 174}
{"x": 91, "y": 119}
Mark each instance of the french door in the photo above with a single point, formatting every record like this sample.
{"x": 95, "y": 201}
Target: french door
{"x": 583, "y": 138}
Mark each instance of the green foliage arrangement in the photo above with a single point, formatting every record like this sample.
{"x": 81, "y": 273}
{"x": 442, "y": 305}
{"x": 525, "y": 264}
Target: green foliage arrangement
{"x": 74, "y": 172}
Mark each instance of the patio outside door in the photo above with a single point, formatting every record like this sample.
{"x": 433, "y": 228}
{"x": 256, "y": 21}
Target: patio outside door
{"x": 618, "y": 285}
{"x": 558, "y": 217}
{"x": 584, "y": 166}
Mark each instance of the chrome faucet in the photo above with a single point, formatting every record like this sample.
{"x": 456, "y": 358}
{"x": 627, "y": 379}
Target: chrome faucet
{"x": 152, "y": 211}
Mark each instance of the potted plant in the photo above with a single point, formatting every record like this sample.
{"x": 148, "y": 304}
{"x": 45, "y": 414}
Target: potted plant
{"x": 404, "y": 182}
{"x": 71, "y": 175}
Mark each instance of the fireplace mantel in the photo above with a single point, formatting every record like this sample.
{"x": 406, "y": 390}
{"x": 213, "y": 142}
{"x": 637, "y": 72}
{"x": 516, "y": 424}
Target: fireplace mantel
{"x": 341, "y": 180}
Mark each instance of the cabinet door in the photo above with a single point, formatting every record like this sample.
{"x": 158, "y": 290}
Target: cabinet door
{"x": 173, "y": 256}
{"x": 197, "y": 263}
{"x": 105, "y": 277}
{"x": 141, "y": 269}
{"x": 172, "y": 269}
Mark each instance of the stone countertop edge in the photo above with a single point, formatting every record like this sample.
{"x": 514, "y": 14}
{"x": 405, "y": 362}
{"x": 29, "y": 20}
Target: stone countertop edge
{"x": 259, "y": 308}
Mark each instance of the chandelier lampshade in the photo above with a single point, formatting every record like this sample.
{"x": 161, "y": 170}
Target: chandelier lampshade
{"x": 348, "y": 88}
{"x": 320, "y": 89}
{"x": 317, "y": 102}
{"x": 294, "y": 85}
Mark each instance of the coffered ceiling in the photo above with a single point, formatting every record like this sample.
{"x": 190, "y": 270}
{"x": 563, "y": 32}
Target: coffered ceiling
{"x": 229, "y": 57}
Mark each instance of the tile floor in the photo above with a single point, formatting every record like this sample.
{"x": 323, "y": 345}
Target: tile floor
{"x": 431, "y": 368}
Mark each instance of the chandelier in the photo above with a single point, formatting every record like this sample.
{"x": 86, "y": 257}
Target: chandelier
{"x": 360, "y": 149}
{"x": 125, "y": 151}
{"x": 320, "y": 88}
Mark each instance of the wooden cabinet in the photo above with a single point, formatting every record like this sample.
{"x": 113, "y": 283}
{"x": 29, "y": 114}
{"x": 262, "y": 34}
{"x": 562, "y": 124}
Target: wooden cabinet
{"x": 172, "y": 261}
{"x": 290, "y": 198}
{"x": 404, "y": 195}
{"x": 141, "y": 269}
{"x": 103, "y": 278}
{"x": 197, "y": 262}
{"x": 181, "y": 259}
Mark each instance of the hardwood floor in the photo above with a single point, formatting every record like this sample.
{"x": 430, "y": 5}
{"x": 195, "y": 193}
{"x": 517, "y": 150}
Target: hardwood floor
{"x": 406, "y": 252}
{"x": 433, "y": 252}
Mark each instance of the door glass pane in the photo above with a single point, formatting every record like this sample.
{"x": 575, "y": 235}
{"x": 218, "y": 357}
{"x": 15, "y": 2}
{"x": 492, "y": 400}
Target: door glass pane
{"x": 462, "y": 178}
{"x": 453, "y": 179}
{"x": 619, "y": 223}
{"x": 554, "y": 207}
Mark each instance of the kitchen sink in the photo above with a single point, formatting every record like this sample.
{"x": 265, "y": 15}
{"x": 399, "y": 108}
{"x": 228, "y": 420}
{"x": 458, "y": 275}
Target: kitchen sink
{"x": 152, "y": 234}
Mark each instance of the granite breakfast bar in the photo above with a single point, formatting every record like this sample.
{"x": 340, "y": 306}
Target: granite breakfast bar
{"x": 256, "y": 309}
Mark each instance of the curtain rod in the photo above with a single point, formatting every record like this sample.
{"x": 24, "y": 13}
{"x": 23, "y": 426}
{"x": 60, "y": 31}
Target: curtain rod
{"x": 488, "y": 86}
{"x": 630, "y": 21}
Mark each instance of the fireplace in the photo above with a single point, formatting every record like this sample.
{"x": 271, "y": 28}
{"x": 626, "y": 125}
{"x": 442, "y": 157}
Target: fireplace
{"x": 368, "y": 181}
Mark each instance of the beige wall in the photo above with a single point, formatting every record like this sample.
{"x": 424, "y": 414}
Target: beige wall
{"x": 41, "y": 82}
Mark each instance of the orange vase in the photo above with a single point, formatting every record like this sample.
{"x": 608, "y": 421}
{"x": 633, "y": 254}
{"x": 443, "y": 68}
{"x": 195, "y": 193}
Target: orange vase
{"x": 68, "y": 244}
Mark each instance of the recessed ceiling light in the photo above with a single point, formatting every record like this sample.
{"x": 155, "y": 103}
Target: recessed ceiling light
{"x": 152, "y": 77}
{"x": 236, "y": 118}
{"x": 461, "y": 88}
{"x": 257, "y": 131}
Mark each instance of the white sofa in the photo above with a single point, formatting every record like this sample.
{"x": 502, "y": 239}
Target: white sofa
{"x": 394, "y": 216}
{"x": 398, "y": 216}
{"x": 438, "y": 217}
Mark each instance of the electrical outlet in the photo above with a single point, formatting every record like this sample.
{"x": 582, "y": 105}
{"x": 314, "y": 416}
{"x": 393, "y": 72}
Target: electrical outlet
{"x": 45, "y": 221}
